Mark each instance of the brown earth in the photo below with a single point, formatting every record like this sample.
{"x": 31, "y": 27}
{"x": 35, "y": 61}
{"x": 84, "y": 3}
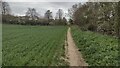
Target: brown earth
{"x": 72, "y": 53}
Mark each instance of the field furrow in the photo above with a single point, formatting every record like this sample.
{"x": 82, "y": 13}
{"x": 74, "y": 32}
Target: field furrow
{"x": 33, "y": 45}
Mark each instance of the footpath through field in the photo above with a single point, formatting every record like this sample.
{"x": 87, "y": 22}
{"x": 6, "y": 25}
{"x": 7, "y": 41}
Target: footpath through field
{"x": 74, "y": 56}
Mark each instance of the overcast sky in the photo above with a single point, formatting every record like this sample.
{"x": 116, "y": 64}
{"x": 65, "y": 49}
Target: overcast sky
{"x": 19, "y": 7}
{"x": 45, "y": 0}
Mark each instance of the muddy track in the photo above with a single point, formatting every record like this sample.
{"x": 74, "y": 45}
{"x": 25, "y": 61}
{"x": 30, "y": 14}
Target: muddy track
{"x": 73, "y": 55}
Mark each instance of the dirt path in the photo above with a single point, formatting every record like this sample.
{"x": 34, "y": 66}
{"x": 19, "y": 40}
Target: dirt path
{"x": 74, "y": 56}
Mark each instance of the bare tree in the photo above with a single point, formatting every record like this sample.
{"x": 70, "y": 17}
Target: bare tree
{"x": 59, "y": 14}
{"x": 32, "y": 13}
{"x": 72, "y": 10}
{"x": 5, "y": 8}
{"x": 48, "y": 15}
{"x": 64, "y": 20}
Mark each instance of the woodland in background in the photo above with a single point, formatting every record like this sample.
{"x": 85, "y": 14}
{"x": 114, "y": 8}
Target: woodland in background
{"x": 99, "y": 17}
{"x": 32, "y": 17}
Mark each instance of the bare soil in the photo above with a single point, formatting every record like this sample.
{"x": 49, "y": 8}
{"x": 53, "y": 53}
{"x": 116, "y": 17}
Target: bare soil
{"x": 72, "y": 53}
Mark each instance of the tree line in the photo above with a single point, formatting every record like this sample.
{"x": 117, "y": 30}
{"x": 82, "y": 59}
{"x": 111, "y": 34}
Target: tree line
{"x": 99, "y": 17}
{"x": 32, "y": 17}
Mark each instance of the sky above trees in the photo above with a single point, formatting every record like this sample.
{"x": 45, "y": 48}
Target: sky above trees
{"x": 45, "y": 0}
{"x": 19, "y": 7}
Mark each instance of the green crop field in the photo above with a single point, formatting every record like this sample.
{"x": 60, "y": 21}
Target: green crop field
{"x": 44, "y": 46}
{"x": 33, "y": 45}
{"x": 97, "y": 49}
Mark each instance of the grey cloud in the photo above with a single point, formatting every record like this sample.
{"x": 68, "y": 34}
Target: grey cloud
{"x": 45, "y": 0}
{"x": 20, "y": 8}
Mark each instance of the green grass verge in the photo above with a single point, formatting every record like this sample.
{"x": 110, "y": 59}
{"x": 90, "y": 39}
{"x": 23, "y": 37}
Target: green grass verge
{"x": 97, "y": 49}
{"x": 33, "y": 45}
